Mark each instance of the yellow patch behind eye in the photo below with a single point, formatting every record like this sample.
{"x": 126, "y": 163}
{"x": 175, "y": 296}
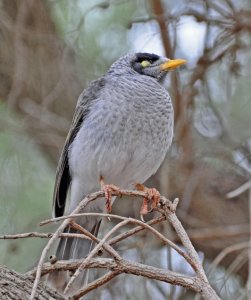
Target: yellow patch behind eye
{"x": 145, "y": 63}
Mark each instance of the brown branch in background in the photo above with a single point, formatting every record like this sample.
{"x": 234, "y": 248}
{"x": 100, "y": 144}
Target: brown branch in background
{"x": 224, "y": 253}
{"x": 159, "y": 11}
{"x": 219, "y": 232}
{"x": 20, "y": 65}
{"x": 237, "y": 263}
{"x": 164, "y": 21}
{"x": 182, "y": 101}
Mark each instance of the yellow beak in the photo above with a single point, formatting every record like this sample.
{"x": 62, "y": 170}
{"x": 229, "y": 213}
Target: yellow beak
{"x": 172, "y": 64}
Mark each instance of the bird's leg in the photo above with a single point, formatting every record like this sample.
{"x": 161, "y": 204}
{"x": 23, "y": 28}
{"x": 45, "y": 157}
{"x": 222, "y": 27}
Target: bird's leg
{"x": 152, "y": 199}
{"x": 108, "y": 189}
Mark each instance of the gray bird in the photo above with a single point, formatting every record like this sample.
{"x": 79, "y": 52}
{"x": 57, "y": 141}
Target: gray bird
{"x": 121, "y": 131}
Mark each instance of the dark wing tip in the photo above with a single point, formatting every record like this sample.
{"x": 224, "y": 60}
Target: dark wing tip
{"x": 60, "y": 192}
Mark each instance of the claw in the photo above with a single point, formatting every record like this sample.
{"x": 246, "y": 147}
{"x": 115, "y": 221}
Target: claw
{"x": 142, "y": 218}
{"x": 153, "y": 197}
{"x": 144, "y": 207}
{"x": 108, "y": 189}
{"x": 108, "y": 198}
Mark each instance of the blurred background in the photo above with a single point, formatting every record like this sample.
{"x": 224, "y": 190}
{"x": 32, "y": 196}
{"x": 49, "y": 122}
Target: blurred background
{"x": 51, "y": 50}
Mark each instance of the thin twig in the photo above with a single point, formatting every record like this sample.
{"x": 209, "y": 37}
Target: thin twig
{"x": 93, "y": 252}
{"x": 40, "y": 235}
{"x": 187, "y": 244}
{"x": 224, "y": 253}
{"x": 93, "y": 285}
{"x": 134, "y": 221}
{"x": 106, "y": 246}
{"x": 60, "y": 229}
{"x": 241, "y": 189}
{"x": 135, "y": 230}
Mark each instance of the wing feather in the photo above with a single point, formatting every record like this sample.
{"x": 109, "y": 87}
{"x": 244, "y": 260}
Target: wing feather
{"x": 63, "y": 176}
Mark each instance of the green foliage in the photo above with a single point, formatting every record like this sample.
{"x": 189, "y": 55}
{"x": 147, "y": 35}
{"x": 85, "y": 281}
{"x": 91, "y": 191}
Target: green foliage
{"x": 239, "y": 111}
{"x": 97, "y": 33}
{"x": 26, "y": 192}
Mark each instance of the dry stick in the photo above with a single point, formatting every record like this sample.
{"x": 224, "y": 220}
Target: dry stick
{"x": 137, "y": 229}
{"x": 224, "y": 253}
{"x": 138, "y": 269}
{"x": 106, "y": 246}
{"x": 241, "y": 189}
{"x": 43, "y": 255}
{"x": 60, "y": 229}
{"x": 138, "y": 222}
{"x": 113, "y": 241}
{"x": 194, "y": 234}
{"x": 189, "y": 259}
{"x": 76, "y": 215}
{"x": 73, "y": 264}
{"x": 96, "y": 283}
{"x": 93, "y": 252}
{"x": 99, "y": 194}
{"x": 81, "y": 205}
{"x": 125, "y": 266}
{"x": 40, "y": 235}
{"x": 187, "y": 243}
{"x": 236, "y": 264}
{"x": 206, "y": 290}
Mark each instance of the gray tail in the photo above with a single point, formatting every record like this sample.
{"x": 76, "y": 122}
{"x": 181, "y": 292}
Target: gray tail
{"x": 74, "y": 248}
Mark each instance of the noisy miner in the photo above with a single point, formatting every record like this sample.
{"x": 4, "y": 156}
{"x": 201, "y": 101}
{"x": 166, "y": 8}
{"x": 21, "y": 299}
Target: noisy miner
{"x": 120, "y": 134}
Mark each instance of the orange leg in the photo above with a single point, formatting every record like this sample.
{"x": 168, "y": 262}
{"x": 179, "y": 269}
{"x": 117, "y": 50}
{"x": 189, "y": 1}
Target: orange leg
{"x": 108, "y": 189}
{"x": 152, "y": 199}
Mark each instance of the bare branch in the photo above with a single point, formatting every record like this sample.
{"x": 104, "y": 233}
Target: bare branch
{"x": 40, "y": 235}
{"x": 241, "y": 189}
{"x": 106, "y": 246}
{"x": 93, "y": 252}
{"x": 224, "y": 253}
{"x": 96, "y": 283}
{"x": 118, "y": 265}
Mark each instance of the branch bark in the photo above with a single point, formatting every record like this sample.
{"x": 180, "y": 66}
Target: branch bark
{"x": 15, "y": 286}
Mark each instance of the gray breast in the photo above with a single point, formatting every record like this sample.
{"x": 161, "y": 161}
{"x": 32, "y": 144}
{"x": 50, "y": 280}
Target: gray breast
{"x": 126, "y": 133}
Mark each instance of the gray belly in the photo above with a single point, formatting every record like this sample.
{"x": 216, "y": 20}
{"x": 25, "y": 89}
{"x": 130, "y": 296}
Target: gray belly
{"x": 123, "y": 151}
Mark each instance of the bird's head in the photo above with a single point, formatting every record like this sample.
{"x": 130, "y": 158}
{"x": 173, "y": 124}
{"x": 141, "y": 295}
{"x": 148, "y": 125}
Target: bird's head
{"x": 146, "y": 64}
{"x": 154, "y": 65}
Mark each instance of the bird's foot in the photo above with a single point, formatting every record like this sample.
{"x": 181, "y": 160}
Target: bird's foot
{"x": 108, "y": 190}
{"x": 150, "y": 202}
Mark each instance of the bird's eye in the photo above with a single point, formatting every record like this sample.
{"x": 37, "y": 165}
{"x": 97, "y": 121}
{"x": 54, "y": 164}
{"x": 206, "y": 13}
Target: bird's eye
{"x": 145, "y": 63}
